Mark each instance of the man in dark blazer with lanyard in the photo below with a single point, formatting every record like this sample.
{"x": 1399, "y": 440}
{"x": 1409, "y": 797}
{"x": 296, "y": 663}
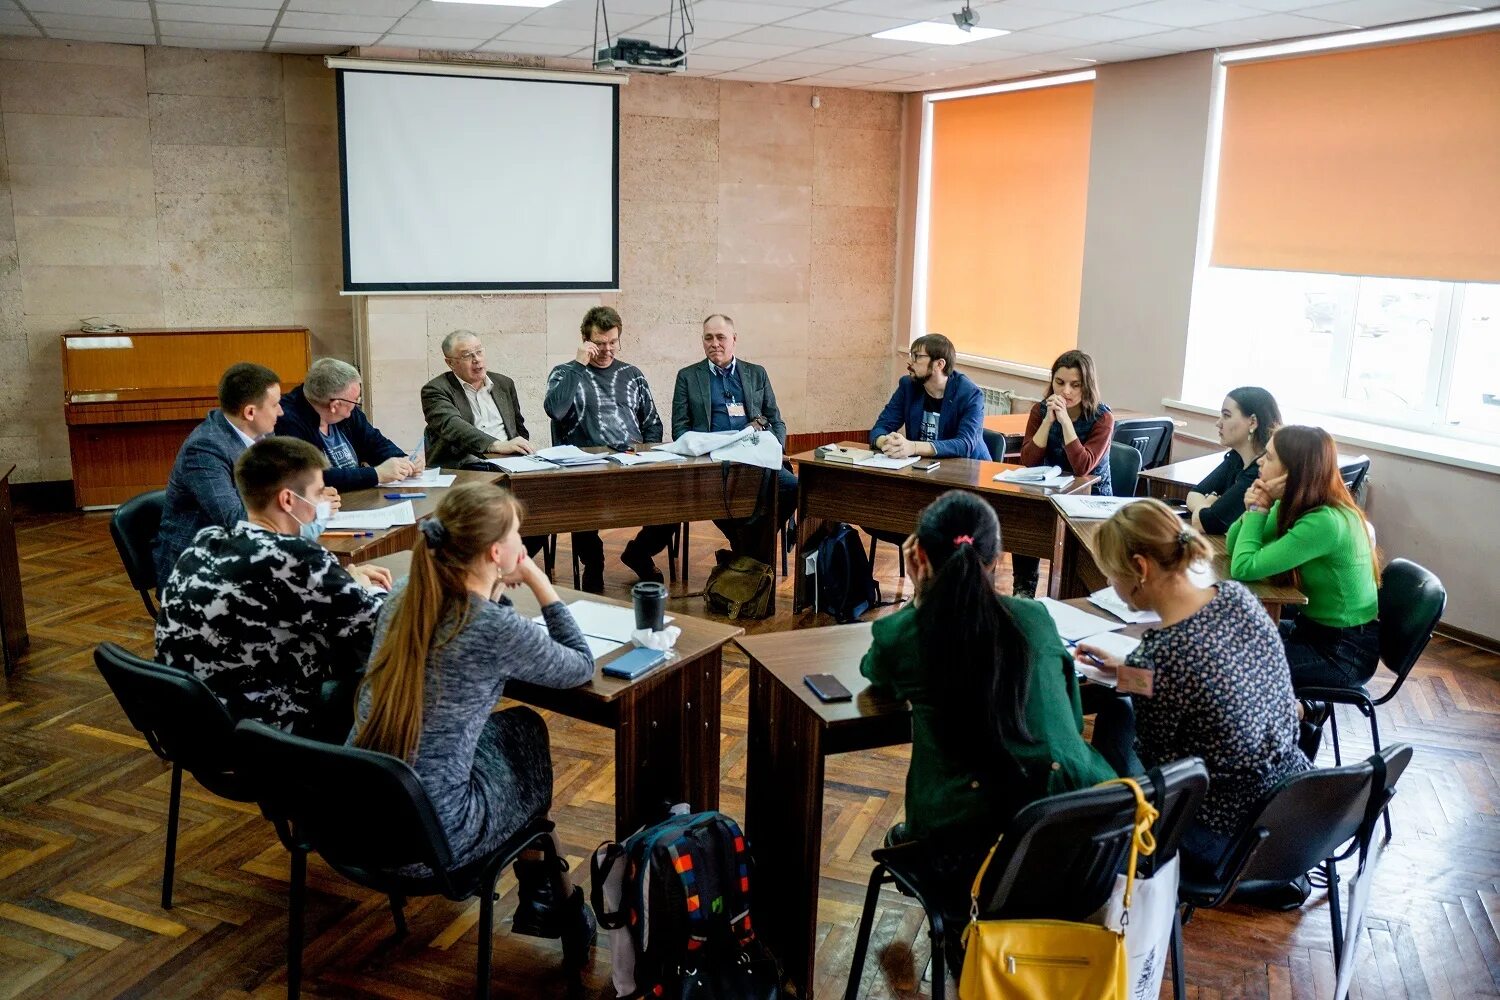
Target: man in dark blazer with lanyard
{"x": 725, "y": 393}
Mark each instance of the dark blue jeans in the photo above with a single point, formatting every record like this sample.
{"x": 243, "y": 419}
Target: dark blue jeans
{"x": 1326, "y": 656}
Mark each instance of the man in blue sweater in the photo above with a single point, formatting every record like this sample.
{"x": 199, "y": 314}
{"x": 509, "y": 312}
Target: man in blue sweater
{"x": 935, "y": 411}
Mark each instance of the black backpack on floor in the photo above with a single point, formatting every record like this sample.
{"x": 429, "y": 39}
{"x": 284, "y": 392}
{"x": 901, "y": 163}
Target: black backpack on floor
{"x": 846, "y": 587}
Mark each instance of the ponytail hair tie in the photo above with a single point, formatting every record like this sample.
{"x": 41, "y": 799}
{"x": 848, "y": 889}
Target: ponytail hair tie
{"x": 963, "y": 540}
{"x": 433, "y": 532}
{"x": 1184, "y": 537}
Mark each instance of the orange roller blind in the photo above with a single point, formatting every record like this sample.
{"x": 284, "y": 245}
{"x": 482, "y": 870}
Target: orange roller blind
{"x": 1005, "y": 225}
{"x": 1381, "y": 161}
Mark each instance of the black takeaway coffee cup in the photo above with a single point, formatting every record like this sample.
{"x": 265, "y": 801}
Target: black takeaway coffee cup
{"x": 650, "y": 605}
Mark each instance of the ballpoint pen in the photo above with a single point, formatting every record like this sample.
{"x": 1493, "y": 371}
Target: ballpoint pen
{"x": 405, "y": 496}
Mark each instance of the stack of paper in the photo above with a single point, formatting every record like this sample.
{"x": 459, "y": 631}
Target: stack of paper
{"x": 1110, "y": 601}
{"x": 1045, "y": 475}
{"x": 567, "y": 454}
{"x": 645, "y": 458}
{"x": 1074, "y": 505}
{"x": 427, "y": 477}
{"x": 882, "y": 462}
{"x": 521, "y": 463}
{"x": 375, "y": 520}
{"x": 1073, "y": 624}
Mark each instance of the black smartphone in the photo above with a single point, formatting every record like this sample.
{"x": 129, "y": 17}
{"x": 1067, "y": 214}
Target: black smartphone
{"x": 926, "y": 466}
{"x": 827, "y": 687}
{"x": 1174, "y": 501}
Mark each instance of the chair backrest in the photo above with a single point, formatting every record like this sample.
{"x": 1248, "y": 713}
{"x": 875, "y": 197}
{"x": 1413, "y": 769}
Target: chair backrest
{"x": 1151, "y": 436}
{"x": 1059, "y": 856}
{"x": 180, "y": 717}
{"x": 361, "y": 810}
{"x": 1124, "y": 468}
{"x": 133, "y": 526}
{"x": 995, "y": 442}
{"x": 1412, "y": 599}
{"x": 1356, "y": 477}
{"x": 1305, "y": 819}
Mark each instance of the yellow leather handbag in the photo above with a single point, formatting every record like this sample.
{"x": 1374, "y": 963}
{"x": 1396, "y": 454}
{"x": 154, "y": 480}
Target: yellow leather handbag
{"x": 1051, "y": 959}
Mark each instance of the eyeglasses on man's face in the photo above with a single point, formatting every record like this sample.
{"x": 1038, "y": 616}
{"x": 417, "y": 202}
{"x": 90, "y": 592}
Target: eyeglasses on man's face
{"x": 915, "y": 357}
{"x": 468, "y": 357}
{"x": 353, "y": 403}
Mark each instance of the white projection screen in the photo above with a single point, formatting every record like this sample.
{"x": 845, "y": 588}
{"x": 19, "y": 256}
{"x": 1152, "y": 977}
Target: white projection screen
{"x": 478, "y": 183}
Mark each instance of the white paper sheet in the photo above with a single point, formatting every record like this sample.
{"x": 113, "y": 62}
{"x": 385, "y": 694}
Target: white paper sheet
{"x": 428, "y": 477}
{"x": 604, "y": 621}
{"x": 558, "y": 451}
{"x": 521, "y": 463}
{"x": 375, "y": 520}
{"x": 645, "y": 458}
{"x": 1033, "y": 474}
{"x": 1110, "y": 601}
{"x": 1090, "y": 506}
{"x": 1073, "y": 624}
{"x": 1050, "y": 482}
{"x": 1108, "y": 678}
{"x": 883, "y": 462}
{"x": 1113, "y": 643}
{"x": 598, "y": 648}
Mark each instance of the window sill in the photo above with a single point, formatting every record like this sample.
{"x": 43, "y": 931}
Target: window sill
{"x": 1392, "y": 440}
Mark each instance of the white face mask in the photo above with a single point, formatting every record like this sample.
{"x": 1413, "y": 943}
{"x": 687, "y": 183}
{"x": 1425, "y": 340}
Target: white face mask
{"x": 322, "y": 511}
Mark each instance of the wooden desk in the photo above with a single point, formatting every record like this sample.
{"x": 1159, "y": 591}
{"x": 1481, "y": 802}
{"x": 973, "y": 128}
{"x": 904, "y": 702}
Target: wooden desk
{"x": 791, "y": 734}
{"x": 400, "y": 538}
{"x": 1174, "y": 481}
{"x": 13, "y": 635}
{"x": 599, "y": 497}
{"x": 891, "y": 500}
{"x": 666, "y": 723}
{"x": 1076, "y": 573}
{"x": 130, "y": 399}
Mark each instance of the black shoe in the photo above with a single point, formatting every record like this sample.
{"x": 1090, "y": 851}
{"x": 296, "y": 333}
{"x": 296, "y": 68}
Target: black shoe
{"x": 540, "y": 910}
{"x": 593, "y": 579}
{"x": 1310, "y": 729}
{"x": 641, "y": 565}
{"x": 1281, "y": 896}
{"x": 579, "y": 931}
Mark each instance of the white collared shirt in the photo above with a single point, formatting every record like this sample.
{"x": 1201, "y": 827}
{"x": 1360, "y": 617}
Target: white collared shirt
{"x": 714, "y": 369}
{"x": 487, "y": 417}
{"x": 243, "y": 436}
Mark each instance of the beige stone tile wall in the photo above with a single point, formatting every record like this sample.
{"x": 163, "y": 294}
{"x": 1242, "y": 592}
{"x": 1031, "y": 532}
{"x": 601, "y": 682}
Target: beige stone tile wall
{"x": 735, "y": 198}
{"x": 156, "y": 186}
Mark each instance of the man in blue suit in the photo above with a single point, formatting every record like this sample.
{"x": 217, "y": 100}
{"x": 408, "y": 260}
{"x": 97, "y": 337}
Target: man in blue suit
{"x": 935, "y": 411}
{"x": 201, "y": 491}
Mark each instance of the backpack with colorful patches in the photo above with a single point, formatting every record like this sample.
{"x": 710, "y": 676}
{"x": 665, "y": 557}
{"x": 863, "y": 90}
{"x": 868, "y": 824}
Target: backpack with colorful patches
{"x": 675, "y": 898}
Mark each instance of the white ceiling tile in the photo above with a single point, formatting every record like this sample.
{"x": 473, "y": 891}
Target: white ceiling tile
{"x": 906, "y": 11}
{"x": 877, "y": 46}
{"x": 825, "y": 56}
{"x": 1369, "y": 13}
{"x": 896, "y": 87}
{"x": 910, "y": 65}
{"x": 1279, "y": 6}
{"x": 741, "y": 12}
{"x": 716, "y": 64}
{"x": 1030, "y": 41}
{"x": 575, "y": 37}
{"x": 1274, "y": 27}
{"x": 703, "y": 31}
{"x": 222, "y": 32}
{"x": 844, "y": 23}
{"x": 265, "y": 4}
{"x": 530, "y": 48}
{"x": 430, "y": 42}
{"x": 226, "y": 44}
{"x": 751, "y": 76}
{"x": 336, "y": 22}
{"x": 1077, "y": 6}
{"x": 1009, "y": 17}
{"x": 748, "y": 50}
{"x": 120, "y": 37}
{"x": 856, "y": 74}
{"x": 1102, "y": 28}
{"x": 1188, "y": 13}
{"x": 76, "y": 22}
{"x": 214, "y": 15}
{"x": 428, "y": 10}
{"x": 126, "y": 9}
{"x": 777, "y": 35}
{"x": 318, "y": 37}
{"x": 27, "y": 30}
{"x": 790, "y": 66}
{"x": 11, "y": 17}
{"x": 478, "y": 30}
{"x": 368, "y": 8}
{"x": 1105, "y": 52}
{"x": 306, "y": 48}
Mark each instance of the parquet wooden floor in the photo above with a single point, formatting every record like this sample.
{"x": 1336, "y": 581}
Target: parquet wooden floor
{"x": 83, "y": 806}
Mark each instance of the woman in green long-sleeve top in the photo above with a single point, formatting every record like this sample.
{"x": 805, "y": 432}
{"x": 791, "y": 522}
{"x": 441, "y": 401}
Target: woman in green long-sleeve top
{"x": 1300, "y": 519}
{"x": 996, "y": 720}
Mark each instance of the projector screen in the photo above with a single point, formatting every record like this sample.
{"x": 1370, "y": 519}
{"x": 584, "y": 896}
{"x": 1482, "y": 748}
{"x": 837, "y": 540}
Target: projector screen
{"x": 476, "y": 183}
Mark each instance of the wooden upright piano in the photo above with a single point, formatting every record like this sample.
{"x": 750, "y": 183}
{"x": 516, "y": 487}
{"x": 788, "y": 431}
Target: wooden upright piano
{"x": 131, "y": 398}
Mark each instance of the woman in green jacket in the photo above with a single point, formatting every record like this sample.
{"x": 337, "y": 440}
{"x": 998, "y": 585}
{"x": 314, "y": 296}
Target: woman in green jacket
{"x": 1300, "y": 521}
{"x": 996, "y": 719}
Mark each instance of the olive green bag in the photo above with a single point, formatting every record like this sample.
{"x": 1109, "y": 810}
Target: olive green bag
{"x": 739, "y": 587}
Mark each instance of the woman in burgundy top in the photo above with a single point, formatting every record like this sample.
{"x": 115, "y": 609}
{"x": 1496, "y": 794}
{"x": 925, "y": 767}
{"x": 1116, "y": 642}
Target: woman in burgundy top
{"x": 1071, "y": 429}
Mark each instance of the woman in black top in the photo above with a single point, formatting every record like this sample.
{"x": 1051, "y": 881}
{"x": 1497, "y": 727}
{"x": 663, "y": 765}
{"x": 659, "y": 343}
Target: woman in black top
{"x": 1246, "y": 422}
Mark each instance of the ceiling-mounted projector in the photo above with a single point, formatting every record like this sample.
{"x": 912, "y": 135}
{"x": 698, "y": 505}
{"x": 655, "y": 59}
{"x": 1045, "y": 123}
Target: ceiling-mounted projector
{"x": 635, "y": 55}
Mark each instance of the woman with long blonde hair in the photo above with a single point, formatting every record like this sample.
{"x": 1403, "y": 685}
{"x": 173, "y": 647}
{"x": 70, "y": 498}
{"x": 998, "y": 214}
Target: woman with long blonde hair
{"x": 1210, "y": 681}
{"x": 445, "y": 645}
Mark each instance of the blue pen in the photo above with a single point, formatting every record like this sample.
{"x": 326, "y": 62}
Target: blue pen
{"x": 405, "y": 496}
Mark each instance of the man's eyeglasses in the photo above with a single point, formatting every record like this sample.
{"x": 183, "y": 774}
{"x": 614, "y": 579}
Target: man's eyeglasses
{"x": 915, "y": 357}
{"x": 354, "y": 403}
{"x": 475, "y": 355}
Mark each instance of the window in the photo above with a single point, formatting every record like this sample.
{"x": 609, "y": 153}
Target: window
{"x": 1352, "y": 265}
{"x": 1407, "y": 352}
{"x": 1002, "y": 193}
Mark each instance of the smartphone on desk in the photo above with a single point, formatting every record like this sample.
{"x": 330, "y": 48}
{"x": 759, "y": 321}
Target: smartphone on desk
{"x": 827, "y": 687}
{"x": 927, "y": 466}
{"x": 634, "y": 663}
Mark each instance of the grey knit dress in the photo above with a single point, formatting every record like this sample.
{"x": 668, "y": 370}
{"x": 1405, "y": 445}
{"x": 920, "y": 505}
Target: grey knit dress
{"x": 488, "y": 772}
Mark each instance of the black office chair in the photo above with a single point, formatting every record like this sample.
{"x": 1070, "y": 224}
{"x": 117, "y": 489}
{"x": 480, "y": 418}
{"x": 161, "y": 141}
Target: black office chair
{"x": 183, "y": 723}
{"x": 995, "y": 442}
{"x": 1124, "y": 468}
{"x": 1305, "y": 823}
{"x": 1057, "y": 859}
{"x": 369, "y": 817}
{"x": 1412, "y": 600}
{"x": 1151, "y": 436}
{"x": 1356, "y": 476}
{"x": 133, "y": 526}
